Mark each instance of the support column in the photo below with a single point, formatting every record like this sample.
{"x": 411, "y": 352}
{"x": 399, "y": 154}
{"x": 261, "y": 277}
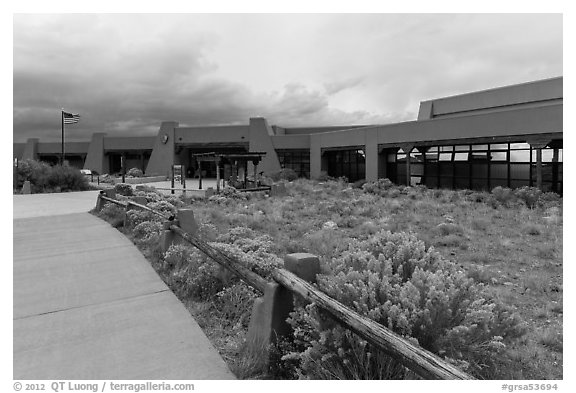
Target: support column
{"x": 407, "y": 148}
{"x": 539, "y": 144}
{"x": 539, "y": 168}
{"x": 217, "y": 175}
{"x": 199, "y": 174}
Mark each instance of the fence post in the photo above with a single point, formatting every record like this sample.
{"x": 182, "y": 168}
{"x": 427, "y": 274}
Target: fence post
{"x": 126, "y": 208}
{"x": 269, "y": 313}
{"x": 185, "y": 220}
{"x": 26, "y": 188}
{"x": 168, "y": 237}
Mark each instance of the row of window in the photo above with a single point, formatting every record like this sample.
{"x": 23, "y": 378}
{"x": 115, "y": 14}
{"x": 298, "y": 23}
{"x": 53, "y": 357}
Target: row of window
{"x": 298, "y": 160}
{"x": 348, "y": 163}
{"x": 480, "y": 167}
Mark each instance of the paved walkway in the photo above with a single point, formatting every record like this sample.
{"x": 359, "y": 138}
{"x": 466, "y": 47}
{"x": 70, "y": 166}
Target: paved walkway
{"x": 88, "y": 305}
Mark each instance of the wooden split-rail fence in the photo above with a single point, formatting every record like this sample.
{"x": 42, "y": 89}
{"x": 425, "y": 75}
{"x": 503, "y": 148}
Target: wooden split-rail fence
{"x": 422, "y": 362}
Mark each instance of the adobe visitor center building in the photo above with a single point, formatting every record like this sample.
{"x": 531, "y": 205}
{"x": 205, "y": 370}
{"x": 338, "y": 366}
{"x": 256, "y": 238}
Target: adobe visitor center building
{"x": 509, "y": 136}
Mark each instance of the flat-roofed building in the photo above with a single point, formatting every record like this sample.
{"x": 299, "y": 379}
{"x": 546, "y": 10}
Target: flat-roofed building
{"x": 508, "y": 136}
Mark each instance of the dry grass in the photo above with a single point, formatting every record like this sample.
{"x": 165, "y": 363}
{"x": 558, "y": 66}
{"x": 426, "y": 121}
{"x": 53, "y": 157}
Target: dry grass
{"x": 515, "y": 251}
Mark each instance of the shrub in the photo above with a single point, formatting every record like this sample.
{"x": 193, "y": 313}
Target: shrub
{"x": 112, "y": 213}
{"x": 45, "y": 178}
{"x": 380, "y": 187}
{"x": 549, "y": 199}
{"x": 234, "y": 304}
{"x": 394, "y": 280}
{"x": 192, "y": 273}
{"x": 287, "y": 174}
{"x": 504, "y": 195}
{"x": 359, "y": 183}
{"x": 529, "y": 195}
{"x": 163, "y": 207}
{"x": 138, "y": 216}
{"x": 124, "y": 189}
{"x": 148, "y": 231}
{"x": 135, "y": 172}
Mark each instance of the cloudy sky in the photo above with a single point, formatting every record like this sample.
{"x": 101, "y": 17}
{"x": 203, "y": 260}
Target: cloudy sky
{"x": 124, "y": 74}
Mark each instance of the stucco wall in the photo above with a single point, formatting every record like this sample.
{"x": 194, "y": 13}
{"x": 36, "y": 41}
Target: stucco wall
{"x": 95, "y": 157}
{"x": 291, "y": 141}
{"x": 218, "y": 134}
{"x": 162, "y": 157}
{"x": 261, "y": 141}
{"x": 542, "y": 90}
{"x": 31, "y": 149}
{"x": 129, "y": 143}
{"x": 69, "y": 147}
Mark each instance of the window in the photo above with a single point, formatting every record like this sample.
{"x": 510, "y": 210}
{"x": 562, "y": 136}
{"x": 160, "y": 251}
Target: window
{"x": 296, "y": 159}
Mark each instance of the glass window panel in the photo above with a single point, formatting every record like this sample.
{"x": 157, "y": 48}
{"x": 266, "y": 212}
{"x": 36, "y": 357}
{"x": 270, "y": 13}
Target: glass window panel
{"x": 401, "y": 151}
{"x": 498, "y": 146}
{"x": 391, "y": 158}
{"x": 547, "y": 155}
{"x": 519, "y": 183}
{"x": 401, "y": 157}
{"x": 479, "y": 156}
{"x": 417, "y": 169}
{"x": 401, "y": 170}
{"x": 446, "y": 182}
{"x": 461, "y": 182}
{"x": 446, "y": 168}
{"x": 520, "y": 156}
{"x": 461, "y": 169}
{"x": 445, "y": 157}
{"x": 432, "y": 149}
{"x": 416, "y": 156}
{"x": 480, "y": 184}
{"x": 461, "y": 156}
{"x": 498, "y": 182}
{"x": 520, "y": 171}
{"x": 415, "y": 180}
{"x": 431, "y": 169}
{"x": 431, "y": 156}
{"x": 499, "y": 171}
{"x": 498, "y": 156}
{"x": 480, "y": 170}
{"x": 462, "y": 147}
{"x": 446, "y": 148}
{"x": 522, "y": 145}
{"x": 560, "y": 155}
{"x": 431, "y": 182}
{"x": 479, "y": 147}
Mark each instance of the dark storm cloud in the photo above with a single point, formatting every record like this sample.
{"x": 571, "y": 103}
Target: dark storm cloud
{"x": 126, "y": 73}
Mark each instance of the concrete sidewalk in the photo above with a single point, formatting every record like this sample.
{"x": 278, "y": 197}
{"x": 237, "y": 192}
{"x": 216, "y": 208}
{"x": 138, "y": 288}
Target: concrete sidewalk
{"x": 88, "y": 305}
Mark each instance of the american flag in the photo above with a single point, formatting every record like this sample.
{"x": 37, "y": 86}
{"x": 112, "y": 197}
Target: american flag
{"x": 70, "y": 118}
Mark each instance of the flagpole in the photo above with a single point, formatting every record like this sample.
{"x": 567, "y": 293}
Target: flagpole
{"x": 62, "y": 156}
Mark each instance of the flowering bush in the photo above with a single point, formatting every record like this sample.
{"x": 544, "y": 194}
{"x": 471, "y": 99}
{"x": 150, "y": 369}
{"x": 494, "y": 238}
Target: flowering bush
{"x": 228, "y": 194}
{"x": 379, "y": 187}
{"x": 163, "y": 206}
{"x": 137, "y": 216}
{"x": 124, "y": 189}
{"x": 148, "y": 231}
{"x": 529, "y": 195}
{"x": 284, "y": 174}
{"x": 135, "y": 172}
{"x": 112, "y": 213}
{"x": 394, "y": 280}
{"x": 257, "y": 253}
{"x": 191, "y": 273}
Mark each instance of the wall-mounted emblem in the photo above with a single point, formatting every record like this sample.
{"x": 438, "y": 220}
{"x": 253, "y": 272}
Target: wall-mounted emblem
{"x": 164, "y": 138}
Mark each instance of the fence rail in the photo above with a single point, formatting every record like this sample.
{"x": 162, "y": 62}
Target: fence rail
{"x": 422, "y": 362}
